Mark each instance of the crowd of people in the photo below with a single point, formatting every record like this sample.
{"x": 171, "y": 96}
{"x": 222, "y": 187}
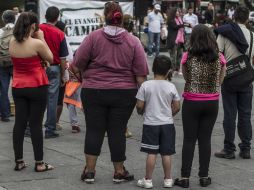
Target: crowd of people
{"x": 110, "y": 84}
{"x": 178, "y": 24}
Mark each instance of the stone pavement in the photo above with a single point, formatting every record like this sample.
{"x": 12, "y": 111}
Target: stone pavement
{"x": 66, "y": 154}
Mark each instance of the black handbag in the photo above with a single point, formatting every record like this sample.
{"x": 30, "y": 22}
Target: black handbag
{"x": 240, "y": 72}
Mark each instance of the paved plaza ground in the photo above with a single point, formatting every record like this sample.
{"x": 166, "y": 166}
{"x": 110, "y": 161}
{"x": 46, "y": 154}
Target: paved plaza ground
{"x": 66, "y": 154}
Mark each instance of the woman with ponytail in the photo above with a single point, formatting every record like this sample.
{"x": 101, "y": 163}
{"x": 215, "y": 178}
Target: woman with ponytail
{"x": 113, "y": 65}
{"x": 29, "y": 53}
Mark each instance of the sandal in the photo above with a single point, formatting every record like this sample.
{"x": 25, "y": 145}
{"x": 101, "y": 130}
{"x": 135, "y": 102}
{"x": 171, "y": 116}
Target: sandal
{"x": 47, "y": 167}
{"x": 75, "y": 129}
{"x": 20, "y": 165}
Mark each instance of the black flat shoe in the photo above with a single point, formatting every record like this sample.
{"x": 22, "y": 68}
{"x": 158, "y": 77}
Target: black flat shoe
{"x": 184, "y": 183}
{"x": 225, "y": 155}
{"x": 205, "y": 181}
{"x": 245, "y": 154}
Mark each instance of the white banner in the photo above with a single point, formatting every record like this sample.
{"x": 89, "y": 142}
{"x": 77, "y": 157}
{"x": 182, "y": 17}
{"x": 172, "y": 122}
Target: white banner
{"x": 81, "y": 16}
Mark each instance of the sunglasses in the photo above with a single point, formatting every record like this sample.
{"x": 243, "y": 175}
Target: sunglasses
{"x": 110, "y": 2}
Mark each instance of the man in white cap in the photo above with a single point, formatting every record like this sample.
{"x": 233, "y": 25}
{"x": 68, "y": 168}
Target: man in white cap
{"x": 155, "y": 21}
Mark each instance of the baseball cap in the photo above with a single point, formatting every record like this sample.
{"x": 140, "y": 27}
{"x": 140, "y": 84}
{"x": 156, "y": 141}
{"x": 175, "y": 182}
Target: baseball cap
{"x": 157, "y": 7}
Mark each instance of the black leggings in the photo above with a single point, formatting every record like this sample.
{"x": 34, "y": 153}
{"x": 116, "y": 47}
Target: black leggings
{"x": 198, "y": 121}
{"x": 107, "y": 111}
{"x": 30, "y": 105}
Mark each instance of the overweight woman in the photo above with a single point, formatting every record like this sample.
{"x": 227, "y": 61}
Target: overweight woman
{"x": 113, "y": 64}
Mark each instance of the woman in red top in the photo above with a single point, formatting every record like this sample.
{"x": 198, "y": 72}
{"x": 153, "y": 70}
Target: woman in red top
{"x": 28, "y": 51}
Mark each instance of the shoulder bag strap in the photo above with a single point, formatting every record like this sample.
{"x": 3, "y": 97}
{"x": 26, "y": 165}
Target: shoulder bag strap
{"x": 251, "y": 44}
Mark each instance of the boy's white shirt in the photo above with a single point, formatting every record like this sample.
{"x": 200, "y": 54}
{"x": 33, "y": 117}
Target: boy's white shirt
{"x": 158, "y": 96}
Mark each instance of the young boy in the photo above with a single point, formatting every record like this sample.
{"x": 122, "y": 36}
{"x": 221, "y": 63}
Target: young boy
{"x": 158, "y": 101}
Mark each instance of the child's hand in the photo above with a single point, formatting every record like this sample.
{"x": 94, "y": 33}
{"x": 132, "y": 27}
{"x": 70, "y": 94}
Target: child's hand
{"x": 175, "y": 106}
{"x": 140, "y": 111}
{"x": 140, "y": 107}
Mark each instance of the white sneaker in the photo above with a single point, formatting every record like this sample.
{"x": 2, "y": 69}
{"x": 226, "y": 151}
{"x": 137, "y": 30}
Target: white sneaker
{"x": 168, "y": 183}
{"x": 145, "y": 183}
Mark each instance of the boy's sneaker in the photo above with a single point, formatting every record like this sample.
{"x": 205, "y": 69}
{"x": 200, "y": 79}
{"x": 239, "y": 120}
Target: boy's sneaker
{"x": 168, "y": 183}
{"x": 145, "y": 183}
{"x": 128, "y": 134}
{"x": 126, "y": 176}
{"x": 87, "y": 176}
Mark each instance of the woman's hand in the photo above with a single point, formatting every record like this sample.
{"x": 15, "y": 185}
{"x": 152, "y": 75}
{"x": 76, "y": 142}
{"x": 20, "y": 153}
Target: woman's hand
{"x": 38, "y": 35}
{"x": 45, "y": 63}
{"x": 140, "y": 80}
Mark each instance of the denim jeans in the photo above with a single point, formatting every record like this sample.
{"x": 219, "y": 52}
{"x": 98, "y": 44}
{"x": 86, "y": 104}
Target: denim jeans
{"x": 240, "y": 103}
{"x": 153, "y": 38}
{"x": 72, "y": 108}
{"x": 5, "y": 77}
{"x": 53, "y": 73}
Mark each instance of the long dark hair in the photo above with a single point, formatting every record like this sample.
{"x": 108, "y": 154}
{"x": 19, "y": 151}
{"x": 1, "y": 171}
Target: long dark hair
{"x": 128, "y": 23}
{"x": 171, "y": 15}
{"x": 23, "y": 26}
{"x": 203, "y": 44}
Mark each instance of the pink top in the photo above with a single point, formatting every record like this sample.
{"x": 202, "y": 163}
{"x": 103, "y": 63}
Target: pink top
{"x": 111, "y": 62}
{"x": 28, "y": 73}
{"x": 197, "y": 96}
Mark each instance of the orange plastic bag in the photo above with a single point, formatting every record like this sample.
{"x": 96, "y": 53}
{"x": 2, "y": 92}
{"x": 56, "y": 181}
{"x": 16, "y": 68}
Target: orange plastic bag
{"x": 73, "y": 102}
{"x": 71, "y": 87}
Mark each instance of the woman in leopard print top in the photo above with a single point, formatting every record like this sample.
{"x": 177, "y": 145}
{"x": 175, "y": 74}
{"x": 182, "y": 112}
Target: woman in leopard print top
{"x": 203, "y": 70}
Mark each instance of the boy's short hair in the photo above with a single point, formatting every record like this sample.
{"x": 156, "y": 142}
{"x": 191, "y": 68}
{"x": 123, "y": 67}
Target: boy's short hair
{"x": 52, "y": 14}
{"x": 161, "y": 65}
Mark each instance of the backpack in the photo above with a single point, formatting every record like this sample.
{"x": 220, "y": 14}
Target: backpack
{"x": 5, "y": 37}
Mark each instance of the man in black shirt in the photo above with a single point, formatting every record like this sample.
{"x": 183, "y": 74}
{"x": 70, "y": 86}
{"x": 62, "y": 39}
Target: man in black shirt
{"x": 209, "y": 14}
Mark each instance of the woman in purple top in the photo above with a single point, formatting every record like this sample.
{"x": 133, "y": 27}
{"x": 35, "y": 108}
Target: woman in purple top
{"x": 113, "y": 64}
